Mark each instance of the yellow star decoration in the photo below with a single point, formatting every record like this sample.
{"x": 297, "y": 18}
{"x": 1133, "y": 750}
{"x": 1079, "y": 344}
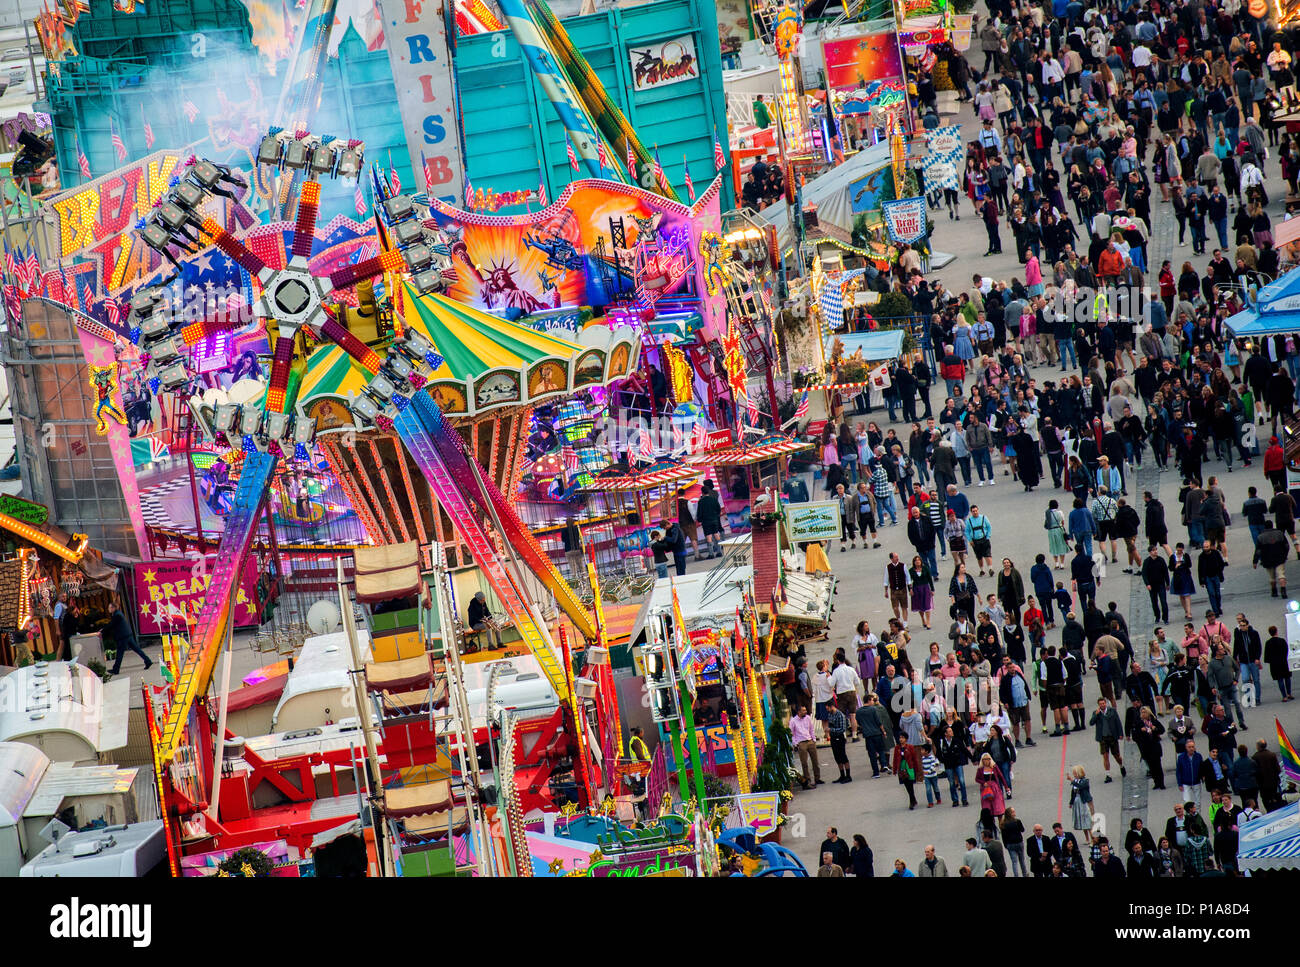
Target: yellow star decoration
{"x": 556, "y": 865}
{"x": 150, "y": 576}
{"x": 144, "y": 608}
{"x": 595, "y": 857}
{"x": 247, "y": 870}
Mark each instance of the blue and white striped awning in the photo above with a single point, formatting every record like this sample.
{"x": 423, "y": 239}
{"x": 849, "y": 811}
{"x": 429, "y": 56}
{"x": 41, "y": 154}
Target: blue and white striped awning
{"x": 1271, "y": 842}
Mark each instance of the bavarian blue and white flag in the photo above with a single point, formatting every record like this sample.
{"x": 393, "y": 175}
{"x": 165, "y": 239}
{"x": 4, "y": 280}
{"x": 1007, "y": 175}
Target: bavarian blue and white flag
{"x": 943, "y": 160}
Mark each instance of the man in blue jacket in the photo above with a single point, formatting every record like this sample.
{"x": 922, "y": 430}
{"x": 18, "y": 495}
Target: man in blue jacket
{"x": 1082, "y": 526}
{"x": 1187, "y": 770}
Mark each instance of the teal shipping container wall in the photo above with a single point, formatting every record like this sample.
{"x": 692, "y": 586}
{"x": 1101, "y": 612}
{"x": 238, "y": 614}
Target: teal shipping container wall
{"x": 510, "y": 125}
{"x": 147, "y": 64}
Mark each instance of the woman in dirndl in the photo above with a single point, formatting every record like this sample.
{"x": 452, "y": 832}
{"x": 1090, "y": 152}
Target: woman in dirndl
{"x": 922, "y": 589}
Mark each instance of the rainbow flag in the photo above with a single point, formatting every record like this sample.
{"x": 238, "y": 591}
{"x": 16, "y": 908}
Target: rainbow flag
{"x": 1287, "y": 755}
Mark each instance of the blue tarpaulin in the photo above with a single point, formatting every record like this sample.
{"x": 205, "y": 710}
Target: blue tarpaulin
{"x": 1276, "y": 310}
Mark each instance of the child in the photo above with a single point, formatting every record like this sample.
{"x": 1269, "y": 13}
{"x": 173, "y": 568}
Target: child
{"x": 932, "y": 770}
{"x": 1033, "y": 619}
{"x": 1064, "y": 599}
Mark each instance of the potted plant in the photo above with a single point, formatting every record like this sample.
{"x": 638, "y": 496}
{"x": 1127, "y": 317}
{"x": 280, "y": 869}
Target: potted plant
{"x": 775, "y": 772}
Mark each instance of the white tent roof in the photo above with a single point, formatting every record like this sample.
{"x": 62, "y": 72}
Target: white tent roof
{"x": 1271, "y": 842}
{"x": 64, "y": 697}
{"x": 830, "y": 193}
{"x": 22, "y": 767}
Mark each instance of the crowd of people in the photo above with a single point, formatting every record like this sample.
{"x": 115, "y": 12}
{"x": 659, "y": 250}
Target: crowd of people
{"x": 1090, "y": 105}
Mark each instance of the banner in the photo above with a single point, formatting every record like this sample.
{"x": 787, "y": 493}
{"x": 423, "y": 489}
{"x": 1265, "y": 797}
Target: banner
{"x": 760, "y": 810}
{"x": 420, "y": 57}
{"x": 865, "y": 193}
{"x": 943, "y": 163}
{"x": 905, "y": 219}
{"x": 170, "y": 593}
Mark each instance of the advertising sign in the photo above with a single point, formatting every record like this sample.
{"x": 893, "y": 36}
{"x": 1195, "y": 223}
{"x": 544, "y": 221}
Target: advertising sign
{"x": 24, "y": 510}
{"x": 818, "y": 520}
{"x": 905, "y": 219}
{"x": 171, "y": 593}
{"x": 865, "y": 193}
{"x": 853, "y": 62}
{"x": 660, "y": 64}
{"x": 416, "y": 34}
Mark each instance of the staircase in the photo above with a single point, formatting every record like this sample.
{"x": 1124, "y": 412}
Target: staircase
{"x": 450, "y": 494}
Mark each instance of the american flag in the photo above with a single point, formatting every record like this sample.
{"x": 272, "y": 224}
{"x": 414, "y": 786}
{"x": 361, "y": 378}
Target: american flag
{"x": 601, "y": 155}
{"x": 699, "y": 438}
{"x": 13, "y": 304}
{"x": 83, "y": 162}
{"x": 658, "y": 168}
{"x": 570, "y": 456}
{"x": 191, "y": 110}
{"x": 541, "y": 188}
{"x": 395, "y": 180}
{"x": 801, "y": 410}
{"x": 645, "y": 448}
{"x": 34, "y": 277}
{"x": 678, "y": 438}
{"x": 12, "y": 265}
{"x": 148, "y": 129}
{"x": 118, "y": 147}
{"x": 751, "y": 407}
{"x": 113, "y": 310}
{"x": 690, "y": 185}
{"x": 360, "y": 200}
{"x": 719, "y": 159}
{"x": 573, "y": 158}
{"x": 469, "y": 193}
{"x": 631, "y": 161}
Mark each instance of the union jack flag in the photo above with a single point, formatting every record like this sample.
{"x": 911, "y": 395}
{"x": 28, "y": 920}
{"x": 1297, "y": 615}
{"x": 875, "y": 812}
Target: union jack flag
{"x": 801, "y": 410}
{"x": 191, "y": 110}
{"x": 690, "y": 185}
{"x": 573, "y": 158}
{"x": 360, "y": 200}
{"x": 83, "y": 162}
{"x": 719, "y": 159}
{"x": 601, "y": 155}
{"x": 118, "y": 147}
{"x": 148, "y": 130}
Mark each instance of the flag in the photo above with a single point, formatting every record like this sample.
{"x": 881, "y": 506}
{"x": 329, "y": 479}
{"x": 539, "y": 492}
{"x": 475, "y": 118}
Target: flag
{"x": 658, "y": 168}
{"x": 751, "y": 407}
{"x": 1287, "y": 756}
{"x": 34, "y": 277}
{"x": 719, "y": 159}
{"x": 541, "y": 187}
{"x": 118, "y": 147}
{"x": 395, "y": 180}
{"x": 631, "y": 162}
{"x": 11, "y": 265}
{"x": 148, "y": 129}
{"x": 602, "y": 156}
{"x": 573, "y": 158}
{"x": 469, "y": 193}
{"x": 801, "y": 410}
{"x": 690, "y": 185}
{"x": 191, "y": 110}
{"x": 113, "y": 310}
{"x": 645, "y": 447}
{"x": 82, "y": 161}
{"x": 359, "y": 199}
{"x": 13, "y": 304}
{"x": 570, "y": 456}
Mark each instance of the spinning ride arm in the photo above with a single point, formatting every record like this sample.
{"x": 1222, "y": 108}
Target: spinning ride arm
{"x": 233, "y": 247}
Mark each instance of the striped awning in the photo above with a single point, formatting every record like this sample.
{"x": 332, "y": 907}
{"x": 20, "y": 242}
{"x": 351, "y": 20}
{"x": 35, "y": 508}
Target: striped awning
{"x": 772, "y": 445}
{"x": 660, "y": 472}
{"x": 488, "y": 362}
{"x": 1271, "y": 842}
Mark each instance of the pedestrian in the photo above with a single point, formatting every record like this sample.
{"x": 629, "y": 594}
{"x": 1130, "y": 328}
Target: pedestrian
{"x": 907, "y": 766}
{"x": 119, "y": 629}
{"x": 804, "y": 736}
{"x": 1277, "y": 655}
{"x": 837, "y": 724}
{"x": 1081, "y": 806}
{"x": 1108, "y": 730}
